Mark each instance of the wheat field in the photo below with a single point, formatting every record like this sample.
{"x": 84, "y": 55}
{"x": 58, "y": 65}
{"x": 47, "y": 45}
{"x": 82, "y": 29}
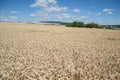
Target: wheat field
{"x": 54, "y": 52}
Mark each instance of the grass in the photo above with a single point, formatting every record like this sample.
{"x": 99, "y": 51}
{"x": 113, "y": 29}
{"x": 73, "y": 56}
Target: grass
{"x": 52, "y": 52}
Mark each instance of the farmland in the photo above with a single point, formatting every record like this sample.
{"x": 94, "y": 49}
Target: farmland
{"x": 54, "y": 52}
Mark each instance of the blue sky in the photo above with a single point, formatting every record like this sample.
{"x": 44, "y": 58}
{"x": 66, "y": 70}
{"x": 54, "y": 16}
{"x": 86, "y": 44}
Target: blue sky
{"x": 99, "y": 11}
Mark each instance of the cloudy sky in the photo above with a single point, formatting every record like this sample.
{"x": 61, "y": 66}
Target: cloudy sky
{"x": 99, "y": 11}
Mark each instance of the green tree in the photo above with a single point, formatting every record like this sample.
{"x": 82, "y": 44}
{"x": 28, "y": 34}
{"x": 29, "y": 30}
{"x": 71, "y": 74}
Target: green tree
{"x": 92, "y": 25}
{"x": 69, "y": 25}
{"x": 80, "y": 24}
{"x": 75, "y": 24}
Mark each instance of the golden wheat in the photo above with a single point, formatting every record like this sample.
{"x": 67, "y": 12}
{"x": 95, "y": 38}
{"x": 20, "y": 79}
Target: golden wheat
{"x": 52, "y": 52}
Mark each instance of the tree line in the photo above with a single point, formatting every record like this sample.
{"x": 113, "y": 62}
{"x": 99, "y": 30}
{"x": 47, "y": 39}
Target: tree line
{"x": 81, "y": 24}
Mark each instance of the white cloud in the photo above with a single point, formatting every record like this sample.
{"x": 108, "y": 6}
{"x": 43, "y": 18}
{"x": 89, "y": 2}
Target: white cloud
{"x": 4, "y": 10}
{"x": 8, "y": 18}
{"x": 64, "y": 17}
{"x": 40, "y": 14}
{"x": 67, "y": 15}
{"x": 80, "y": 18}
{"x": 50, "y": 10}
{"x": 83, "y": 17}
{"x": 52, "y": 1}
{"x": 47, "y": 8}
{"x": 108, "y": 11}
{"x": 32, "y": 15}
{"x": 55, "y": 9}
{"x": 76, "y": 10}
{"x": 43, "y": 3}
{"x": 13, "y": 17}
{"x": 93, "y": 13}
{"x": 14, "y": 12}
{"x": 89, "y": 12}
{"x": 2, "y": 17}
{"x": 40, "y": 3}
{"x": 59, "y": 17}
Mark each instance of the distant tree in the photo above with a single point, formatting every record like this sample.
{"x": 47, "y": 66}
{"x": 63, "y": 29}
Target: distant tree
{"x": 69, "y": 25}
{"x": 80, "y": 24}
{"x": 75, "y": 24}
{"x": 92, "y": 25}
